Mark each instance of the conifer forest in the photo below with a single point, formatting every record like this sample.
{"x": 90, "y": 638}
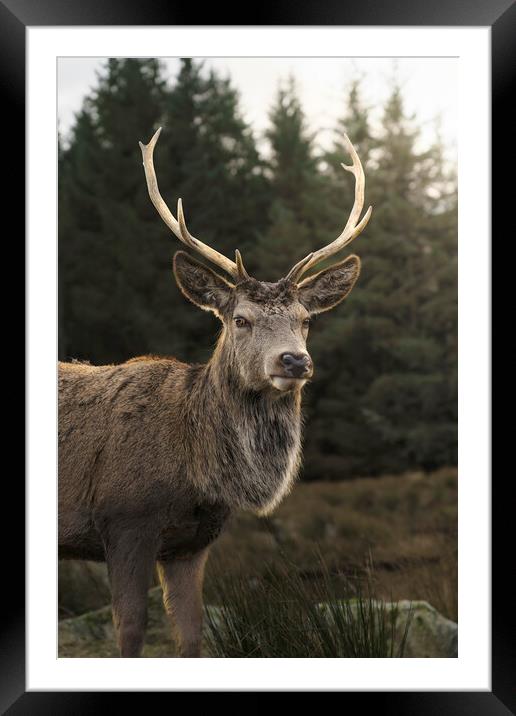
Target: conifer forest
{"x": 384, "y": 395}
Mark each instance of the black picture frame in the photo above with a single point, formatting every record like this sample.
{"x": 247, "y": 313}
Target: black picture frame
{"x": 15, "y": 17}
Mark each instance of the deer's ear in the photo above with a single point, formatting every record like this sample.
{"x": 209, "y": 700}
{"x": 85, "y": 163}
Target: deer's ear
{"x": 201, "y": 285}
{"x": 326, "y": 289}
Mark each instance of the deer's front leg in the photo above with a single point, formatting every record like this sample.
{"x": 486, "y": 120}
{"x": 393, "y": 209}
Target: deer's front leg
{"x": 182, "y": 582}
{"x": 130, "y": 557}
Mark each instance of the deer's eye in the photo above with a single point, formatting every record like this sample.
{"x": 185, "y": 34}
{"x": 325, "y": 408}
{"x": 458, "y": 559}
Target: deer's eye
{"x": 306, "y": 323}
{"x": 241, "y": 322}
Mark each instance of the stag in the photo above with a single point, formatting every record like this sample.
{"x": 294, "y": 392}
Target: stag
{"x": 154, "y": 453}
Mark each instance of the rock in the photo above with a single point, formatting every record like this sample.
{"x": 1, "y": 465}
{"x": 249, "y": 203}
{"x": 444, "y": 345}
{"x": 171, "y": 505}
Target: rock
{"x": 430, "y": 634}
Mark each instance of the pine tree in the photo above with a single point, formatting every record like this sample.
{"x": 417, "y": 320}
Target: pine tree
{"x": 355, "y": 124}
{"x": 120, "y": 296}
{"x": 386, "y": 362}
{"x": 296, "y": 223}
{"x": 340, "y": 184}
{"x": 105, "y": 252}
{"x": 207, "y": 156}
{"x": 405, "y": 405}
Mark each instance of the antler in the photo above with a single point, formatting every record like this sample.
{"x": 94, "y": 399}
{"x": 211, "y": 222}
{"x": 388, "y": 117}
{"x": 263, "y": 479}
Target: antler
{"x": 235, "y": 269}
{"x": 352, "y": 228}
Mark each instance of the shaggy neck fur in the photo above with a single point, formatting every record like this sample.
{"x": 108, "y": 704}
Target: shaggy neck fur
{"x": 246, "y": 444}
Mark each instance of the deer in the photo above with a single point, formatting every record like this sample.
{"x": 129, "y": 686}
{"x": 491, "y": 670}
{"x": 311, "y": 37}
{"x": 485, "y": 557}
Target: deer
{"x": 156, "y": 454}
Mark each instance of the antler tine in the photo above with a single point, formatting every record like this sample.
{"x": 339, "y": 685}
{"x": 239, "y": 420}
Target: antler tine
{"x": 352, "y": 228}
{"x": 297, "y": 271}
{"x": 242, "y": 273}
{"x": 178, "y": 228}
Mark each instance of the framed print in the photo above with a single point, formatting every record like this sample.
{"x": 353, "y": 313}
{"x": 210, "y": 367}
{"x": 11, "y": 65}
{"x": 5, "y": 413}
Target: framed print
{"x": 377, "y": 550}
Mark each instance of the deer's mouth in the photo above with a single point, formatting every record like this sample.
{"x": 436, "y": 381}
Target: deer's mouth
{"x": 284, "y": 383}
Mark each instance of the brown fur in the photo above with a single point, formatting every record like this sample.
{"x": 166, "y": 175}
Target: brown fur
{"x": 154, "y": 454}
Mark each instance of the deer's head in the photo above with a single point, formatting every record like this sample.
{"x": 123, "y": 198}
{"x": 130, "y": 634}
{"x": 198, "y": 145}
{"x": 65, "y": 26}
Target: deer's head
{"x": 265, "y": 324}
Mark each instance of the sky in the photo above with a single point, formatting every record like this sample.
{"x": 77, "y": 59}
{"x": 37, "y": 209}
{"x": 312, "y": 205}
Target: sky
{"x": 429, "y": 87}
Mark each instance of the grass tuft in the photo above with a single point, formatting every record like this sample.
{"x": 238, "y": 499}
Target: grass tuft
{"x": 279, "y": 615}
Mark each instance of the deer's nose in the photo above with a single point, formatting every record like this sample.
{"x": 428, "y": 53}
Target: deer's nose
{"x": 296, "y": 365}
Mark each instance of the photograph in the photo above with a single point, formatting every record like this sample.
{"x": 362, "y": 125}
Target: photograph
{"x": 258, "y": 353}
{"x": 257, "y": 269}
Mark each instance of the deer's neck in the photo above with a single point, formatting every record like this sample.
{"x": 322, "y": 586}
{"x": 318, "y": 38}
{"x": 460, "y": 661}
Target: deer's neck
{"x": 247, "y": 444}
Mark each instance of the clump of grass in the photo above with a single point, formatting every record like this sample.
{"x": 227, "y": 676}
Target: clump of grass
{"x": 279, "y": 615}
